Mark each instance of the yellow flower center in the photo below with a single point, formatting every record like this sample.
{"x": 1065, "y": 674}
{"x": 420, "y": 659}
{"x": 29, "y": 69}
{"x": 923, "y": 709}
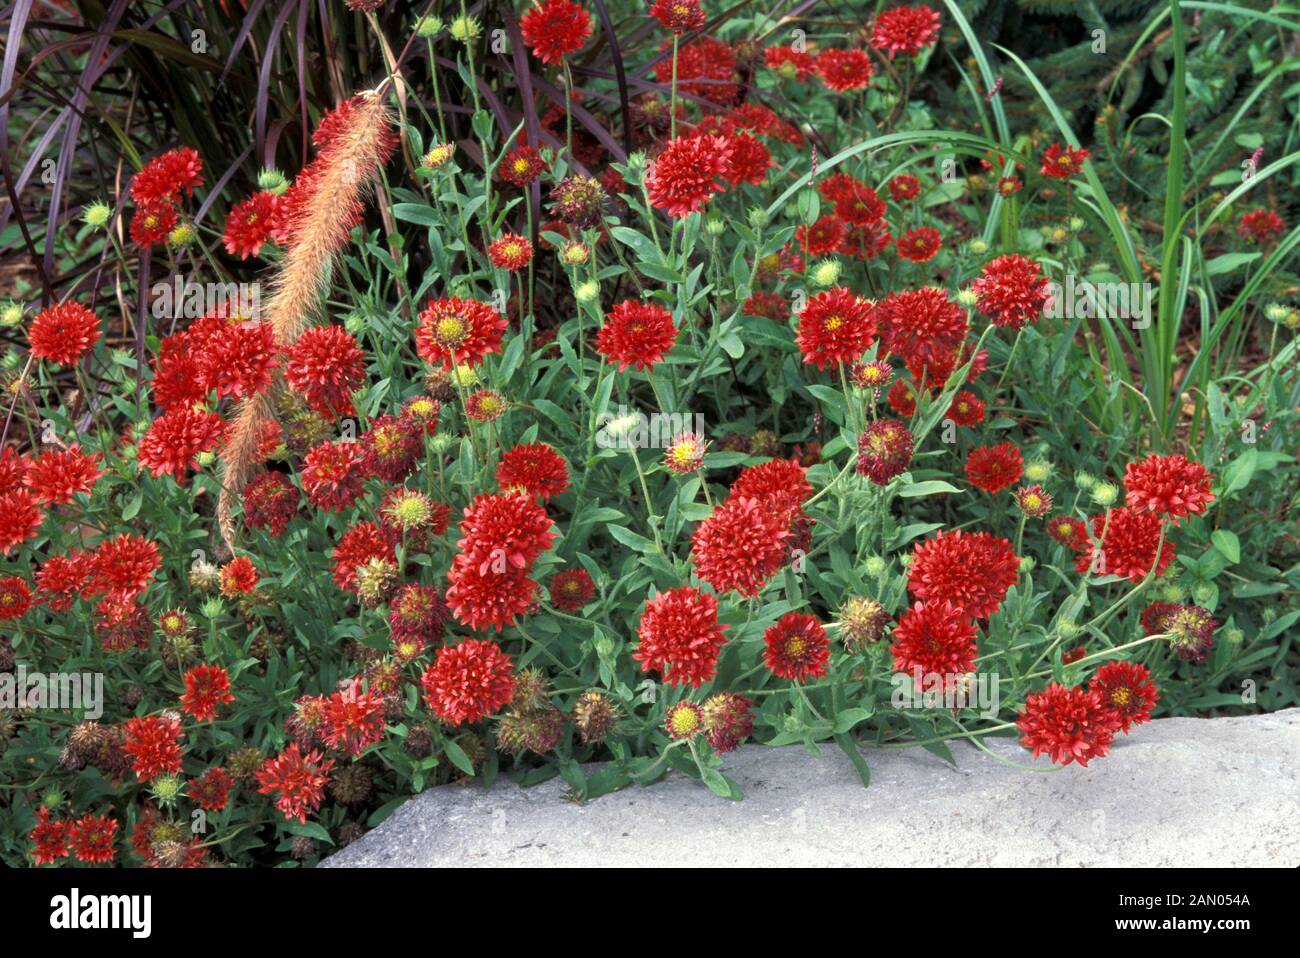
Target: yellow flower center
{"x": 834, "y": 323}
{"x": 450, "y": 331}
{"x": 1121, "y": 696}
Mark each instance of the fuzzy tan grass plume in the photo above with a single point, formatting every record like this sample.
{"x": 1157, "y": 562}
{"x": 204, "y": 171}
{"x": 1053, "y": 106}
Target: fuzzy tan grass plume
{"x": 323, "y": 205}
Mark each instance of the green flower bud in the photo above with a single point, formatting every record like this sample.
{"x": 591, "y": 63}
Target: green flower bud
{"x": 11, "y": 314}
{"x": 825, "y": 273}
{"x": 272, "y": 180}
{"x": 97, "y": 214}
{"x": 587, "y": 292}
{"x": 758, "y": 217}
{"x": 465, "y": 29}
{"x": 1104, "y": 493}
{"x": 875, "y": 566}
{"x": 428, "y": 27}
{"x": 979, "y": 247}
{"x": 1038, "y": 470}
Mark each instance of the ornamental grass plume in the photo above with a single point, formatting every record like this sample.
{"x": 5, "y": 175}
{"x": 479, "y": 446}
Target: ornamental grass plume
{"x": 356, "y": 139}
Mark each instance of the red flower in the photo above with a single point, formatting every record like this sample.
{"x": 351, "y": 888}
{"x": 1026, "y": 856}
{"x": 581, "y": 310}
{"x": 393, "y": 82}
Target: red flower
{"x": 13, "y": 467}
{"x": 1189, "y": 628}
{"x": 824, "y": 236}
{"x": 844, "y": 70}
{"x": 299, "y": 779}
{"x": 1011, "y": 291}
{"x": 790, "y": 63}
{"x": 506, "y": 527}
{"x": 994, "y": 468}
{"x": 167, "y": 176}
{"x": 967, "y": 409}
{"x": 904, "y": 187}
{"x": 153, "y": 744}
{"x": 684, "y": 720}
{"x": 1009, "y": 186}
{"x": 125, "y": 565}
{"x": 176, "y": 437}
{"x": 857, "y": 204}
{"x": 152, "y": 223}
{"x": 749, "y": 160}
{"x": 1260, "y": 226}
{"x": 1069, "y": 531}
{"x": 250, "y": 224}
{"x": 555, "y": 28}
{"x": 391, "y": 448}
{"x": 920, "y": 244}
{"x": 49, "y": 837}
{"x": 238, "y": 577}
{"x": 684, "y": 176}
{"x": 353, "y": 719}
{"x": 211, "y": 790}
{"x": 797, "y": 648}
{"x": 728, "y": 719}
{"x": 270, "y": 501}
{"x": 779, "y": 484}
{"x": 1068, "y": 725}
{"x": 972, "y": 571}
{"x": 326, "y": 365}
{"x": 511, "y": 252}
{"x": 363, "y": 542}
{"x": 522, "y": 165}
{"x": 332, "y": 475}
{"x": 678, "y": 16}
{"x": 572, "y": 589}
{"x": 20, "y": 517}
{"x": 488, "y": 594}
{"x": 636, "y": 334}
{"x": 1128, "y": 545}
{"x": 901, "y": 398}
{"x": 417, "y": 612}
{"x": 1127, "y": 692}
{"x": 206, "y": 688}
{"x": 63, "y": 333}
{"x": 741, "y": 545}
{"x": 485, "y": 405}
{"x": 835, "y": 327}
{"x": 680, "y": 636}
{"x": 91, "y": 839}
{"x": 921, "y": 323}
{"x": 536, "y": 468}
{"x": 884, "y": 450}
{"x": 706, "y": 68}
{"x": 455, "y": 331}
{"x": 1169, "y": 485}
{"x": 468, "y": 681}
{"x": 176, "y": 381}
{"x": 907, "y": 30}
{"x": 1034, "y": 501}
{"x": 15, "y": 597}
{"x": 1062, "y": 162}
{"x": 56, "y": 476}
{"x": 239, "y": 359}
{"x": 63, "y": 578}
{"x": 935, "y": 638}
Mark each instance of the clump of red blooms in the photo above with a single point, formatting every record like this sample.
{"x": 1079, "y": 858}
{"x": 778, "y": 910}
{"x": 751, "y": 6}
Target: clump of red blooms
{"x": 955, "y": 580}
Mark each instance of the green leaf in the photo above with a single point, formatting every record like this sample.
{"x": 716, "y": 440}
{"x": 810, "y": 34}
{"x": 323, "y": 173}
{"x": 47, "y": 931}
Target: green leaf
{"x": 458, "y": 757}
{"x": 1227, "y": 543}
{"x": 928, "y": 488}
{"x": 417, "y": 213}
